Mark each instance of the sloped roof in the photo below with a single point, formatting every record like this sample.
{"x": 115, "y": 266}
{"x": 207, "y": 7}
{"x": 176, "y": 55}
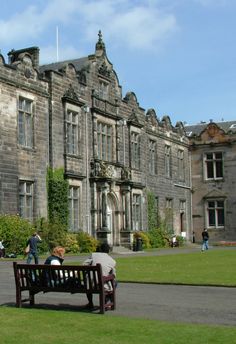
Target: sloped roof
{"x": 196, "y": 129}
{"x": 78, "y": 63}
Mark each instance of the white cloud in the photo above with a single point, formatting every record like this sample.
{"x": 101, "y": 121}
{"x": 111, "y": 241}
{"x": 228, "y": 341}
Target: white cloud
{"x": 48, "y": 54}
{"x": 129, "y": 24}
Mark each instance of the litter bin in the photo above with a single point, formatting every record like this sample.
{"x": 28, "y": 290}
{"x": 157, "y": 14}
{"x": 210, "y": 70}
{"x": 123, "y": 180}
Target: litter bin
{"x": 139, "y": 244}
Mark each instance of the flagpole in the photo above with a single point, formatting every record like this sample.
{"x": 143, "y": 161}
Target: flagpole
{"x": 57, "y": 43}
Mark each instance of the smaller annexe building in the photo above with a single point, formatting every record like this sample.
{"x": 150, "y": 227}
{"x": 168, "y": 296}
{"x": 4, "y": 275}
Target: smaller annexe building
{"x": 213, "y": 166}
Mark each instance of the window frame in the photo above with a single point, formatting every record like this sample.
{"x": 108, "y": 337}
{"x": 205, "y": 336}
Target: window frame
{"x": 214, "y": 169}
{"x": 105, "y": 141}
{"x": 74, "y": 207}
{"x": 167, "y": 161}
{"x": 25, "y": 122}
{"x": 135, "y": 149}
{"x": 181, "y": 164}
{"x": 152, "y": 146}
{"x": 26, "y": 211}
{"x": 103, "y": 90}
{"x": 214, "y": 212}
{"x": 137, "y": 211}
{"x": 72, "y": 131}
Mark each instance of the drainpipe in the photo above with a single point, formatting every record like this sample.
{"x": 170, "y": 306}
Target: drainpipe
{"x": 86, "y": 111}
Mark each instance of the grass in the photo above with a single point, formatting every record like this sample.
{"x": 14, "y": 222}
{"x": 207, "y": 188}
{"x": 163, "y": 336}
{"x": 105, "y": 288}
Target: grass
{"x": 63, "y": 327}
{"x": 216, "y": 267}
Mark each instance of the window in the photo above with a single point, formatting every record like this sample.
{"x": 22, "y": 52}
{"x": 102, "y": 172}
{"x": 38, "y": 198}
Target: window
{"x": 215, "y": 213}
{"x": 167, "y": 161}
{"x": 74, "y": 208}
{"x": 103, "y": 90}
{"x": 169, "y": 213}
{"x": 25, "y": 123}
{"x": 152, "y": 157}
{"x": 181, "y": 164}
{"x": 72, "y": 131}
{"x": 136, "y": 210}
{"x": 104, "y": 141}
{"x": 26, "y": 200}
{"x": 214, "y": 165}
{"x": 135, "y": 150}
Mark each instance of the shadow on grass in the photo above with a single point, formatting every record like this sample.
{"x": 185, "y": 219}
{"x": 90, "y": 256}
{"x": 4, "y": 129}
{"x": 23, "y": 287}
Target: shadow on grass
{"x": 58, "y": 307}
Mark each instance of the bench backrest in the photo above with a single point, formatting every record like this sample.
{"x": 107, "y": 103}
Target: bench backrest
{"x": 59, "y": 277}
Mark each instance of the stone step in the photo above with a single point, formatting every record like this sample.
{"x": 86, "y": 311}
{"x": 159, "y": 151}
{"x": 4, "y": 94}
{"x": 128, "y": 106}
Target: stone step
{"x": 121, "y": 250}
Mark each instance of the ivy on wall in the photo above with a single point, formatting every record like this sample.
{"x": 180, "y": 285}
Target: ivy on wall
{"x": 153, "y": 216}
{"x": 58, "y": 188}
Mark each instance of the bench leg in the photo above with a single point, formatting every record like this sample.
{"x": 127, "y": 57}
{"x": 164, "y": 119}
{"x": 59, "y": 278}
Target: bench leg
{"x": 18, "y": 298}
{"x": 31, "y": 298}
{"x": 102, "y": 302}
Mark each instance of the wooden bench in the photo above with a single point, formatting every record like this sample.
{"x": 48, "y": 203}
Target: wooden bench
{"x": 74, "y": 279}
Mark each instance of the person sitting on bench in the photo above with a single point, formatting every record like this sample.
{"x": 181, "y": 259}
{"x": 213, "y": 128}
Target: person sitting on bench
{"x": 108, "y": 267}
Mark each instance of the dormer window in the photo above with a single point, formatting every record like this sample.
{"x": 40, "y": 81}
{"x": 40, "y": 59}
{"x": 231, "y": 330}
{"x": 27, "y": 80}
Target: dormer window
{"x": 103, "y": 90}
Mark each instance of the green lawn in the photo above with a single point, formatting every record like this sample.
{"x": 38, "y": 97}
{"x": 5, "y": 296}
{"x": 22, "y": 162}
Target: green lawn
{"x": 216, "y": 267}
{"x": 19, "y": 326}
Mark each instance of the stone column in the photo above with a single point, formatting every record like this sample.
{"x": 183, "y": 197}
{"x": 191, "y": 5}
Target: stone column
{"x": 104, "y": 206}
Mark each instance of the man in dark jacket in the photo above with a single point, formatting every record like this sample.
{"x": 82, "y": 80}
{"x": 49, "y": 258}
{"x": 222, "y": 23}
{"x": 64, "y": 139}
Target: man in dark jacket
{"x": 205, "y": 238}
{"x": 33, "y": 248}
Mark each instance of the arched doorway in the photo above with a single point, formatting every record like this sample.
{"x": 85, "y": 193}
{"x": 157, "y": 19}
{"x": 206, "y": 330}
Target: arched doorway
{"x": 112, "y": 221}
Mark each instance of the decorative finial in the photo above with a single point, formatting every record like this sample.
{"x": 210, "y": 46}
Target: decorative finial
{"x": 100, "y": 36}
{"x": 100, "y": 44}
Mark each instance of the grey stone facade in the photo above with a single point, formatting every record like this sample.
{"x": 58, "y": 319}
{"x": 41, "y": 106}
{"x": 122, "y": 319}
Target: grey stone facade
{"x": 113, "y": 152}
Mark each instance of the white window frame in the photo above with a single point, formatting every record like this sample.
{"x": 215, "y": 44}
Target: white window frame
{"x": 214, "y": 161}
{"x": 215, "y": 206}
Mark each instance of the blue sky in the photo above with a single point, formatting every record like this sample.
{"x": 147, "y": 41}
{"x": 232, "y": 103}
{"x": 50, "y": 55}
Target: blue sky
{"x": 177, "y": 56}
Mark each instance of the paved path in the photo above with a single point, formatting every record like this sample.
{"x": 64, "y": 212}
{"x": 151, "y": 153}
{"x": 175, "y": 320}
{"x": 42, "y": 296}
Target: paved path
{"x": 208, "y": 305}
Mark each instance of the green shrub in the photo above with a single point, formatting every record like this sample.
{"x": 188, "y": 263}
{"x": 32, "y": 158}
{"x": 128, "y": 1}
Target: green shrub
{"x": 87, "y": 243}
{"x": 158, "y": 237}
{"x": 181, "y": 240}
{"x": 15, "y": 231}
{"x": 144, "y": 237}
{"x": 71, "y": 244}
{"x": 52, "y": 234}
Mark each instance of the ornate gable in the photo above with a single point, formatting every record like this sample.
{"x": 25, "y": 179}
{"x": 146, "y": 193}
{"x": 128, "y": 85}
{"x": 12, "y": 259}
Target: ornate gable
{"x": 213, "y": 133}
{"x": 133, "y": 119}
{"x": 151, "y": 117}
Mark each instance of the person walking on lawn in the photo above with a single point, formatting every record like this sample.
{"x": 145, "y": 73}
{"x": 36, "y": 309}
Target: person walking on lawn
{"x": 205, "y": 238}
{"x": 33, "y": 248}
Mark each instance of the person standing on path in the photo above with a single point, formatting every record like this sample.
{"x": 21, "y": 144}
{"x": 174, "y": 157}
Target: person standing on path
{"x": 33, "y": 248}
{"x": 205, "y": 238}
{"x": 2, "y": 250}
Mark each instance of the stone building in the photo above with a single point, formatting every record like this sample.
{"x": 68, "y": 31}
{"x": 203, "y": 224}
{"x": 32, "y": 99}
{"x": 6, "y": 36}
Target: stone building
{"x": 72, "y": 115}
{"x": 24, "y": 135}
{"x": 213, "y": 152}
